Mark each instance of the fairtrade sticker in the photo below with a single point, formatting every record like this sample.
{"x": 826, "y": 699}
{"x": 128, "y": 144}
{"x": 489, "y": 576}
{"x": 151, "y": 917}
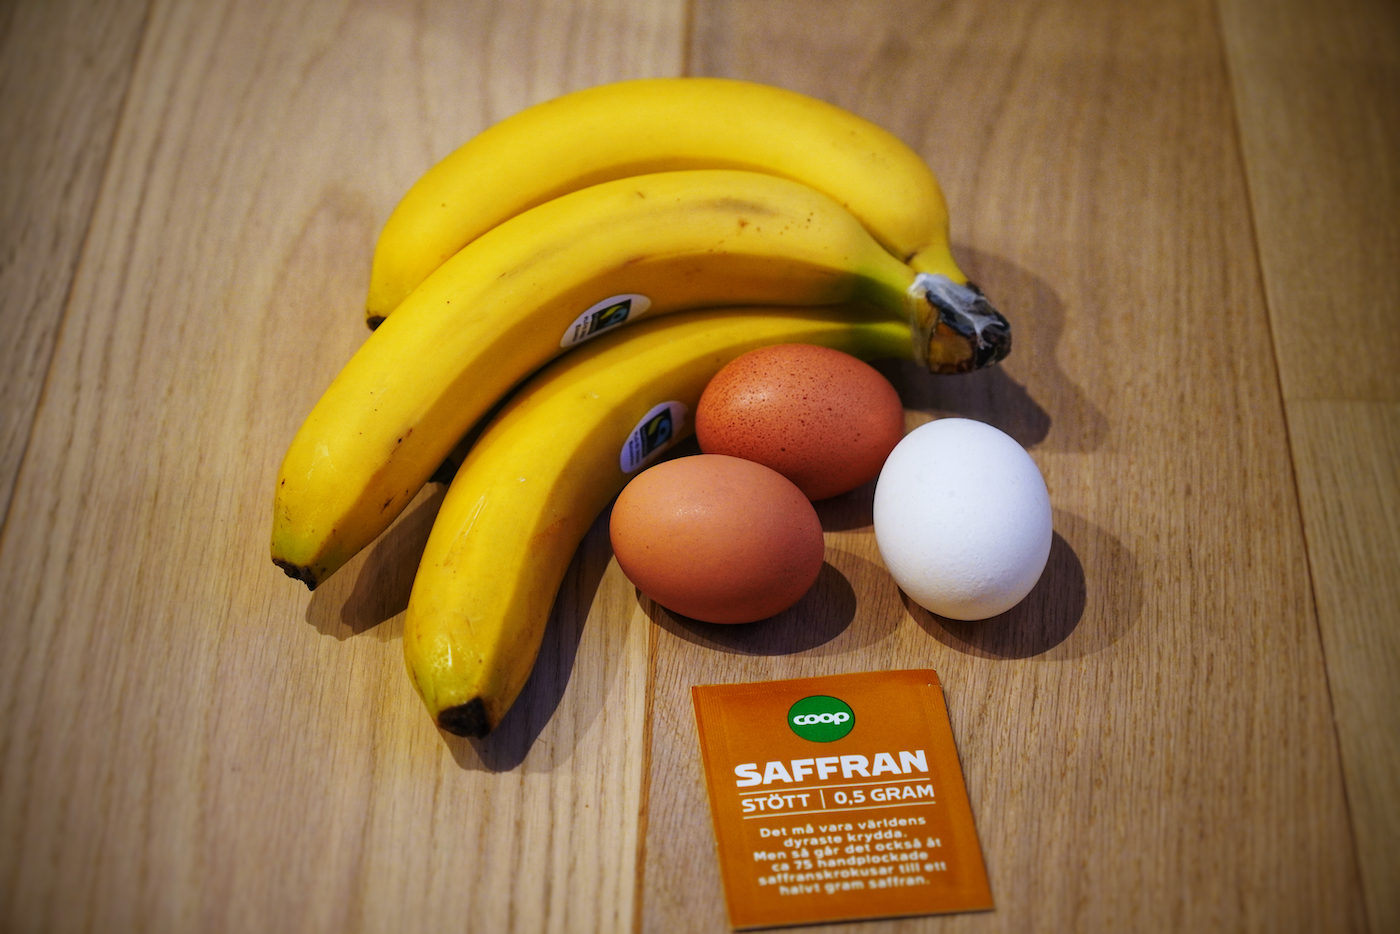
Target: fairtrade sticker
{"x": 660, "y": 428}
{"x": 838, "y": 798}
{"x": 604, "y": 315}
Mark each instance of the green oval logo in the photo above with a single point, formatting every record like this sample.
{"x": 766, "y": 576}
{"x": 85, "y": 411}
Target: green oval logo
{"x": 821, "y": 719}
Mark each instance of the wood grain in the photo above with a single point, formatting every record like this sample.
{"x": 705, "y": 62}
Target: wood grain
{"x": 1318, "y": 85}
{"x": 1148, "y": 744}
{"x": 1348, "y": 462}
{"x": 189, "y": 740}
{"x": 1318, "y": 90}
{"x": 1166, "y": 199}
{"x": 64, "y": 70}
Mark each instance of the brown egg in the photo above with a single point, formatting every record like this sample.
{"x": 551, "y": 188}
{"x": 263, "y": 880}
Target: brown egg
{"x": 719, "y": 539}
{"x": 820, "y": 417}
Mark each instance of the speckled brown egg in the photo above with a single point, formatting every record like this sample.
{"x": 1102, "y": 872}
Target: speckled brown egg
{"x": 716, "y": 538}
{"x": 820, "y": 417}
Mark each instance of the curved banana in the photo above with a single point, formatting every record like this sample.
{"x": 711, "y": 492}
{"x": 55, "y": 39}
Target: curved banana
{"x": 660, "y": 125}
{"x": 554, "y": 276}
{"x": 544, "y": 469}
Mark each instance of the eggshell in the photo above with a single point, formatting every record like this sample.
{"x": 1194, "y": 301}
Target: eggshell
{"x": 717, "y": 538}
{"x": 962, "y": 519}
{"x": 820, "y": 417}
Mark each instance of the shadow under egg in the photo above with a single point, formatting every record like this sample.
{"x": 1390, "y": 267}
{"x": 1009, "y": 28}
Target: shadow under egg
{"x": 823, "y": 613}
{"x": 1046, "y": 617}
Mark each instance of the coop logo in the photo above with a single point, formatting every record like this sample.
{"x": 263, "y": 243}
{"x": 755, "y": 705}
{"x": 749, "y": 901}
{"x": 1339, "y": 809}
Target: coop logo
{"x": 821, "y": 719}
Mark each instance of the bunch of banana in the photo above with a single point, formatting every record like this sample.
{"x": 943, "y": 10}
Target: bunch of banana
{"x": 561, "y": 224}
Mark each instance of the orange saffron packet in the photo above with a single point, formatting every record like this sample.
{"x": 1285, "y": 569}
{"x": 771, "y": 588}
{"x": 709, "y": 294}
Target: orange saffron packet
{"x": 838, "y": 798}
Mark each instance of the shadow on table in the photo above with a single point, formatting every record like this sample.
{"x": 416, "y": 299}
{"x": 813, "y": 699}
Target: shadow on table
{"x": 1040, "y": 406}
{"x": 374, "y": 586}
{"x": 822, "y": 614}
{"x": 849, "y": 511}
{"x": 506, "y": 747}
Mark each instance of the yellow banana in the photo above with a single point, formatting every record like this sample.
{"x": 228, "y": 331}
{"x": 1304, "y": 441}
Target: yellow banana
{"x": 558, "y": 274}
{"x": 544, "y": 469}
{"x": 660, "y": 125}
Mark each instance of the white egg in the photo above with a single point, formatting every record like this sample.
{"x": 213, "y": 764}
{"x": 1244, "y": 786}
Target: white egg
{"x": 962, "y": 519}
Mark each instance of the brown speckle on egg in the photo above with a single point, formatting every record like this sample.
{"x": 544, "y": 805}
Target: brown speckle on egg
{"x": 821, "y": 418}
{"x": 717, "y": 538}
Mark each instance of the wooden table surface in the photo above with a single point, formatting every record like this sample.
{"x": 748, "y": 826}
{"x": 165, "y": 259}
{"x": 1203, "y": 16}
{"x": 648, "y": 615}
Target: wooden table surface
{"x": 1190, "y": 211}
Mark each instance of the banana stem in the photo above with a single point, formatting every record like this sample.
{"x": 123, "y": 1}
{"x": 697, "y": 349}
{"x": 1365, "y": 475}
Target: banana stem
{"x": 956, "y": 330}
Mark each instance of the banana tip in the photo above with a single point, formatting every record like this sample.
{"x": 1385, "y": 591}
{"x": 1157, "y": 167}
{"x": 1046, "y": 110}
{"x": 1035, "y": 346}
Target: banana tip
{"x": 467, "y": 719}
{"x": 297, "y": 572}
{"x": 963, "y": 332}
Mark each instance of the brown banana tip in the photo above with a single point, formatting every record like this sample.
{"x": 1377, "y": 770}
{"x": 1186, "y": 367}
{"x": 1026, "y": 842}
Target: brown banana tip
{"x": 965, "y": 332}
{"x": 374, "y": 321}
{"x": 993, "y": 331}
{"x": 467, "y": 719}
{"x": 297, "y": 572}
